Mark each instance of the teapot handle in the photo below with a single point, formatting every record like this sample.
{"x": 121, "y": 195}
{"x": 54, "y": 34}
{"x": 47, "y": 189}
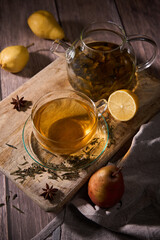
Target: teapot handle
{"x": 63, "y": 49}
{"x": 101, "y": 106}
{"x": 59, "y": 47}
{"x": 148, "y": 63}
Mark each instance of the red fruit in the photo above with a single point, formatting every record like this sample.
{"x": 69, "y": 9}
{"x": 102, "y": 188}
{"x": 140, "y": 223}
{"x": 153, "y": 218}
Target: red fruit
{"x": 106, "y": 186}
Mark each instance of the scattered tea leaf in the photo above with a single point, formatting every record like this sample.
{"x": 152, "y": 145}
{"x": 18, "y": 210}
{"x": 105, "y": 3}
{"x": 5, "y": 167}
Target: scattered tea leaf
{"x": 22, "y": 164}
{"x": 18, "y": 209}
{"x": 70, "y": 176}
{"x": 53, "y": 175}
{"x": 14, "y": 196}
{"x": 94, "y": 141}
{"x": 9, "y": 145}
{"x": 30, "y": 171}
{"x": 2, "y": 204}
{"x": 69, "y": 165}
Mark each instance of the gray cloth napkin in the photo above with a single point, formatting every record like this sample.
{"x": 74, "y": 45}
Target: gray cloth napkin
{"x": 139, "y": 215}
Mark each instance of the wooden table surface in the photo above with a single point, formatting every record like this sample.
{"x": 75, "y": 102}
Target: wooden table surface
{"x": 136, "y": 17}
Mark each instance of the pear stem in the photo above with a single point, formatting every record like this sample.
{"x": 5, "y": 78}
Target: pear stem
{"x": 29, "y": 45}
{"x": 116, "y": 172}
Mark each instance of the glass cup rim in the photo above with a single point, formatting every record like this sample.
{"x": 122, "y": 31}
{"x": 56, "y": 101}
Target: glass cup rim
{"x": 122, "y": 35}
{"x": 64, "y": 91}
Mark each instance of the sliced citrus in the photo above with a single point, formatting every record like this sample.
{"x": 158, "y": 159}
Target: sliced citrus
{"x": 123, "y": 104}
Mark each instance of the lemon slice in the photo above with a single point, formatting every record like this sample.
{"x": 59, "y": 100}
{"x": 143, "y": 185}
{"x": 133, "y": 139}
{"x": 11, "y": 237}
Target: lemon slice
{"x": 123, "y": 104}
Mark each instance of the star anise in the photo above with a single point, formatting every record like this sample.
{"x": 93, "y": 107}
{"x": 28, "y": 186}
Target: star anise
{"x": 49, "y": 192}
{"x": 18, "y": 103}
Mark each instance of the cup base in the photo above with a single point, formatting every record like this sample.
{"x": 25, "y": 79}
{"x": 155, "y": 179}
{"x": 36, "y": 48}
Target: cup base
{"x": 73, "y": 162}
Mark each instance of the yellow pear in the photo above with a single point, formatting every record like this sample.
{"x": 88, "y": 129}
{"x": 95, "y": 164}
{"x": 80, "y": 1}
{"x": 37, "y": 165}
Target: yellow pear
{"x": 14, "y": 58}
{"x": 44, "y": 25}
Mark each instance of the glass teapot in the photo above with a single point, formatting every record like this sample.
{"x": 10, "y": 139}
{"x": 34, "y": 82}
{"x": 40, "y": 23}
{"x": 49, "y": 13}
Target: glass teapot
{"x": 103, "y": 60}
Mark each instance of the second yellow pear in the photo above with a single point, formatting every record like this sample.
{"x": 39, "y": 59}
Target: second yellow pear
{"x": 44, "y": 25}
{"x": 14, "y": 58}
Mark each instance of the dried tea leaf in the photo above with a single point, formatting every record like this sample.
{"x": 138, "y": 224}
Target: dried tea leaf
{"x": 18, "y": 209}
{"x": 9, "y": 145}
{"x": 15, "y": 196}
{"x": 2, "y": 204}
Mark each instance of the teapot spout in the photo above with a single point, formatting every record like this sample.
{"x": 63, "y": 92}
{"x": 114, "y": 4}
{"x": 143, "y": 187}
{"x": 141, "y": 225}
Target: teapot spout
{"x": 62, "y": 49}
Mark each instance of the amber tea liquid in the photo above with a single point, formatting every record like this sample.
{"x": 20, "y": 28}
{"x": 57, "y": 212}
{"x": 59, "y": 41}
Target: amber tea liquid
{"x": 99, "y": 73}
{"x": 69, "y": 124}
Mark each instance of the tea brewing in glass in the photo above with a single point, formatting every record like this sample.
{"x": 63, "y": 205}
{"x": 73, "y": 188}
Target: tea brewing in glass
{"x": 65, "y": 121}
{"x": 103, "y": 60}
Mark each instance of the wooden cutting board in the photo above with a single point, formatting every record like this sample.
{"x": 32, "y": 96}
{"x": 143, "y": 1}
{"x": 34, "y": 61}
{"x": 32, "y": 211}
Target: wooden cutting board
{"x": 12, "y": 122}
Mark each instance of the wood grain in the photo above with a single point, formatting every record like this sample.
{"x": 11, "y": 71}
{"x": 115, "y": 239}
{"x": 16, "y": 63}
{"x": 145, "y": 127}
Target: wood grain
{"x": 3, "y": 209}
{"x": 14, "y": 30}
{"x": 140, "y": 17}
{"x": 19, "y": 33}
{"x": 80, "y": 13}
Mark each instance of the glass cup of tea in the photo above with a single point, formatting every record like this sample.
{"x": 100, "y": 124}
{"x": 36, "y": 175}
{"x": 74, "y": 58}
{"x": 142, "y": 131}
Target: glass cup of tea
{"x": 103, "y": 60}
{"x": 65, "y": 121}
